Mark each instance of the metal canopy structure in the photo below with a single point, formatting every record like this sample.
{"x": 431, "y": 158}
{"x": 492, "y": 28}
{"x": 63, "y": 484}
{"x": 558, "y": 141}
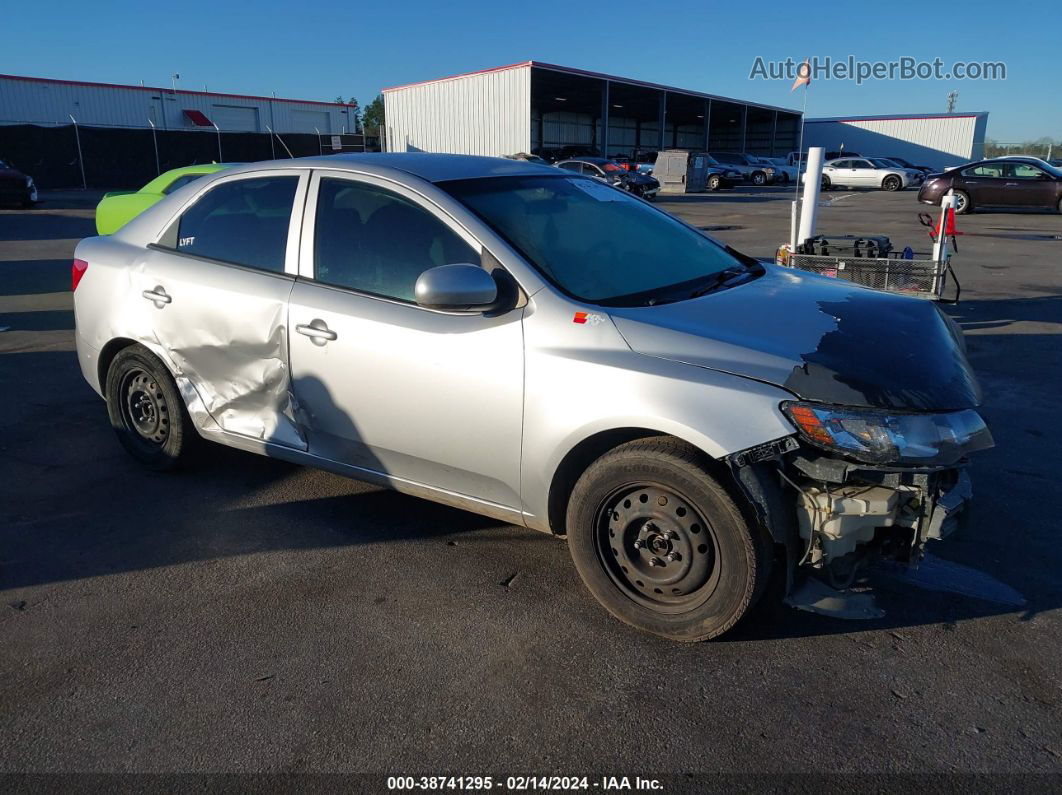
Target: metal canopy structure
{"x": 614, "y": 115}
{"x": 573, "y": 110}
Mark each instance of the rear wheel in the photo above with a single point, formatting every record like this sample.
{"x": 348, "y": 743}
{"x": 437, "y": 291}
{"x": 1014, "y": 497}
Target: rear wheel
{"x": 892, "y": 183}
{"x": 714, "y": 182}
{"x": 146, "y": 410}
{"x": 661, "y": 545}
{"x": 963, "y": 204}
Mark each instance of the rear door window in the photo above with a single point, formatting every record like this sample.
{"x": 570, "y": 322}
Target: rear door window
{"x": 243, "y": 222}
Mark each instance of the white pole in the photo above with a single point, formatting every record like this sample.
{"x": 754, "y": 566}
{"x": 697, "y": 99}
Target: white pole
{"x": 940, "y": 247}
{"x": 794, "y": 213}
{"x": 810, "y": 205}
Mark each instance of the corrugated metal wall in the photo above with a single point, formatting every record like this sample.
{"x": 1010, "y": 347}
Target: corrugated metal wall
{"x": 937, "y": 142}
{"x": 45, "y": 102}
{"x": 483, "y": 114}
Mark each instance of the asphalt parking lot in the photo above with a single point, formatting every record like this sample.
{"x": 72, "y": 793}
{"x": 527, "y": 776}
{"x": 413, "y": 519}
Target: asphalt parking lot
{"x": 255, "y": 616}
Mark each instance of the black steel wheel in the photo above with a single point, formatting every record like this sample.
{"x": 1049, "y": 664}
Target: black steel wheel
{"x": 657, "y": 548}
{"x": 146, "y": 410}
{"x": 661, "y": 545}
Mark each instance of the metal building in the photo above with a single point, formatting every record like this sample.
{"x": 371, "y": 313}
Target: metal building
{"x": 937, "y": 140}
{"x": 539, "y": 107}
{"x": 42, "y": 101}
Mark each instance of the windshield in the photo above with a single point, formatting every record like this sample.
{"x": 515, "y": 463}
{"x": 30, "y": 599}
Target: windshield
{"x": 596, "y": 243}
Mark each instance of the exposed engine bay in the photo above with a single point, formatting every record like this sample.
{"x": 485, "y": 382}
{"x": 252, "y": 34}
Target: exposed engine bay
{"x": 835, "y": 516}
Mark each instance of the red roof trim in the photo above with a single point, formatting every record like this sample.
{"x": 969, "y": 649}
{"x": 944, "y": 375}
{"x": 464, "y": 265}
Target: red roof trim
{"x": 599, "y": 75}
{"x": 156, "y": 89}
{"x": 930, "y": 117}
{"x": 197, "y": 117}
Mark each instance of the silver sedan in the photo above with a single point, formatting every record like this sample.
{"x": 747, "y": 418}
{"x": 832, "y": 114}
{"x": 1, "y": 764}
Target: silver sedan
{"x": 545, "y": 349}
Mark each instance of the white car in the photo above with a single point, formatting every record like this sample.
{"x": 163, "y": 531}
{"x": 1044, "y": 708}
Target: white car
{"x": 859, "y": 172}
{"x": 917, "y": 175}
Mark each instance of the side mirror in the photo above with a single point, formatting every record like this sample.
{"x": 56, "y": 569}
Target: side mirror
{"x": 460, "y": 287}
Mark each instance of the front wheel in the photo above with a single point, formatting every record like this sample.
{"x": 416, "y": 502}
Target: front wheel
{"x": 146, "y": 410}
{"x": 825, "y": 183}
{"x": 891, "y": 183}
{"x": 759, "y": 178}
{"x": 661, "y": 545}
{"x": 714, "y": 182}
{"x": 963, "y": 204}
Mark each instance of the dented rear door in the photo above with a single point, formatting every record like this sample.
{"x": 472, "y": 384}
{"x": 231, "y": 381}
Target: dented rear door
{"x": 214, "y": 297}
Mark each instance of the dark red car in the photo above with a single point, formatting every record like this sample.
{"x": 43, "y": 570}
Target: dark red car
{"x": 16, "y": 187}
{"x": 1004, "y": 182}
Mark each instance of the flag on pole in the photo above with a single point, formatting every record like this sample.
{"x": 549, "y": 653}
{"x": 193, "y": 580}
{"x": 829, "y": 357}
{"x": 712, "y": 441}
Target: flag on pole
{"x": 803, "y": 75}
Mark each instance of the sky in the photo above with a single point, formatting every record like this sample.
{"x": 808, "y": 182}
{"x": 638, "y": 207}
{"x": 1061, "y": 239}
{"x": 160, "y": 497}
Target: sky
{"x": 320, "y": 50}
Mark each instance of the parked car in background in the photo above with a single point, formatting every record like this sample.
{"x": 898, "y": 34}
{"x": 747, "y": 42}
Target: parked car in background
{"x": 916, "y": 175}
{"x": 118, "y": 208}
{"x": 784, "y": 172}
{"x": 750, "y": 170}
{"x": 1010, "y": 182}
{"x": 15, "y": 187}
{"x": 614, "y": 174}
{"x": 909, "y": 164}
{"x": 528, "y": 158}
{"x": 858, "y": 172}
{"x": 796, "y": 157}
{"x": 687, "y": 417}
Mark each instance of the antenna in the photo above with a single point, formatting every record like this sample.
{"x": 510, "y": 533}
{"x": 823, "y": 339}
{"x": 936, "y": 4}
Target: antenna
{"x": 953, "y": 99}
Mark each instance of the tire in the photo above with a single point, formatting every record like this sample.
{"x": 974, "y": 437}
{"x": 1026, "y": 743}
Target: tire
{"x": 785, "y": 178}
{"x": 759, "y": 178}
{"x": 147, "y": 412}
{"x": 891, "y": 183}
{"x": 826, "y": 185}
{"x": 714, "y": 182}
{"x": 648, "y": 512}
{"x": 963, "y": 205}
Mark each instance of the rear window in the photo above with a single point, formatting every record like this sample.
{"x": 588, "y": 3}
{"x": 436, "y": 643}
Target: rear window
{"x": 243, "y": 222}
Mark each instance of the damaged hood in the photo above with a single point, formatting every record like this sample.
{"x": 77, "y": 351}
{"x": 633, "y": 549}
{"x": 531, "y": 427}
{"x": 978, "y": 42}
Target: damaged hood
{"x": 821, "y": 339}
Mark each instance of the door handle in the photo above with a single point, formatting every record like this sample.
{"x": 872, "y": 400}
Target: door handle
{"x": 317, "y": 331}
{"x": 158, "y": 295}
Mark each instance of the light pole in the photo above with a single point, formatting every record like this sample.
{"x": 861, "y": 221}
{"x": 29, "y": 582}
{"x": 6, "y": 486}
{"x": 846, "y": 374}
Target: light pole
{"x": 220, "y": 158}
{"x": 155, "y": 141}
{"x": 173, "y": 82}
{"x": 80, "y": 159}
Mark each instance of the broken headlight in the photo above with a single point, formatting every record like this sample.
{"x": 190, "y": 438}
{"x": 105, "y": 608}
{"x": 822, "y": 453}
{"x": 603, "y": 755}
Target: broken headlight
{"x": 884, "y": 437}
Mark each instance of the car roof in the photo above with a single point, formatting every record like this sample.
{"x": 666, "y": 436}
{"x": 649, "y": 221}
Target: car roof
{"x": 426, "y": 165}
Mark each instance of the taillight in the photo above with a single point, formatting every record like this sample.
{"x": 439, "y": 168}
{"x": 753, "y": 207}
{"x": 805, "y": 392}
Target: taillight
{"x": 76, "y": 272}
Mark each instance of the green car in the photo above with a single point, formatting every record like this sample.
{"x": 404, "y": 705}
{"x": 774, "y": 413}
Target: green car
{"x": 120, "y": 207}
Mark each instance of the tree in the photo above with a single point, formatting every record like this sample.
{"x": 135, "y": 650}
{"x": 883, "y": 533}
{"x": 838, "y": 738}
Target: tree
{"x": 355, "y": 120}
{"x": 373, "y": 118}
